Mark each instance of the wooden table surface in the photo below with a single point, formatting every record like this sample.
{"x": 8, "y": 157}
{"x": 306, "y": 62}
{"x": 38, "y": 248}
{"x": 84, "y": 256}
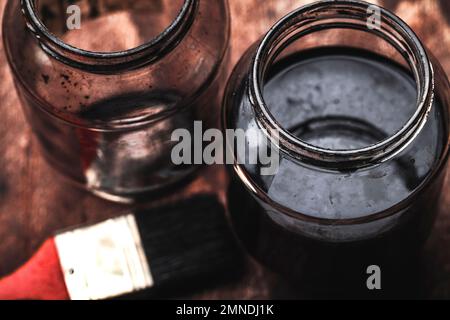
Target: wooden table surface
{"x": 35, "y": 201}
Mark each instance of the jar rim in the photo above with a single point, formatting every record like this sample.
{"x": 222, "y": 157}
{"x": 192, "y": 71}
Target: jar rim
{"x": 414, "y": 53}
{"x": 104, "y": 62}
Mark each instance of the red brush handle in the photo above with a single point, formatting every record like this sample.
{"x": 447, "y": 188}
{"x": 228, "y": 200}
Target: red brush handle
{"x": 41, "y": 278}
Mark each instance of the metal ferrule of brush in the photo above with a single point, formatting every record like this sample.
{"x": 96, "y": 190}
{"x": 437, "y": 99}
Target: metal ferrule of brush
{"x": 105, "y": 260}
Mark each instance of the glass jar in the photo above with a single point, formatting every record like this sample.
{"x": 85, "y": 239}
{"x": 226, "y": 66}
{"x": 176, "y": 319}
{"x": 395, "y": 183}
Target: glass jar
{"x": 358, "y": 112}
{"x": 103, "y": 98}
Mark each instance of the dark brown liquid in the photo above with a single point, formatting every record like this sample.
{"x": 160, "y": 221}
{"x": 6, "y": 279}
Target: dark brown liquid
{"x": 342, "y": 98}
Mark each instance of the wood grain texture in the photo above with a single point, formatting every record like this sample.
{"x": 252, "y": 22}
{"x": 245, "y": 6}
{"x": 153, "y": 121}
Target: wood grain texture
{"x": 35, "y": 201}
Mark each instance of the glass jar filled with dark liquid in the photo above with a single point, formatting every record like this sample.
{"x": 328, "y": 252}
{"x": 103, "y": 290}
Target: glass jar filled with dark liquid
{"x": 358, "y": 111}
{"x": 105, "y": 83}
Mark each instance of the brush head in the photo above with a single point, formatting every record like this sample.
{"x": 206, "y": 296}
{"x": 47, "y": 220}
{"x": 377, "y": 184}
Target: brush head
{"x": 189, "y": 244}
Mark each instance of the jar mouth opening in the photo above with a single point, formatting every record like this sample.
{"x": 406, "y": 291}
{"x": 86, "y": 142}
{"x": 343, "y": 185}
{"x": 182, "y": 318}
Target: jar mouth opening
{"x": 331, "y": 14}
{"x": 104, "y": 62}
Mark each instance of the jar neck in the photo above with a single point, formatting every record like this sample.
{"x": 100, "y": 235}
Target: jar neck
{"x": 110, "y": 62}
{"x": 331, "y": 14}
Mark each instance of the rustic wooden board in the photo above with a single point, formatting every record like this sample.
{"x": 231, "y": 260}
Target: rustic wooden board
{"x": 35, "y": 201}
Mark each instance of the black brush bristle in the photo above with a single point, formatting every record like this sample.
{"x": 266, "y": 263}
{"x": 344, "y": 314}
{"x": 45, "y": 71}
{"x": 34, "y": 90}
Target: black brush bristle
{"x": 189, "y": 243}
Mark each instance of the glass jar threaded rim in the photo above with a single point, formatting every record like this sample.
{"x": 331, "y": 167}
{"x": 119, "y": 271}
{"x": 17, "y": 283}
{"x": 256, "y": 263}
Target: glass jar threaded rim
{"x": 107, "y": 62}
{"x": 346, "y": 14}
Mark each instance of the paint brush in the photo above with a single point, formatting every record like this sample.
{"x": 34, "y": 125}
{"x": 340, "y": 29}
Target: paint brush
{"x": 164, "y": 251}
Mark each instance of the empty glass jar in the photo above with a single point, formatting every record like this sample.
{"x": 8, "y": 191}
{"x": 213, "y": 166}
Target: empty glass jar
{"x": 104, "y": 84}
{"x": 358, "y": 112}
